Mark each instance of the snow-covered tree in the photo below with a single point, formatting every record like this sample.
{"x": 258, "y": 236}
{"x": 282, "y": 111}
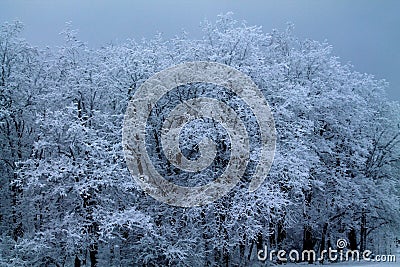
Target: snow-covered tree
{"x": 67, "y": 197}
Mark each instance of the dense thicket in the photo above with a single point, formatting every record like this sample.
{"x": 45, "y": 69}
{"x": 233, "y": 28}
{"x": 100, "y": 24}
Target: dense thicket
{"x": 66, "y": 195}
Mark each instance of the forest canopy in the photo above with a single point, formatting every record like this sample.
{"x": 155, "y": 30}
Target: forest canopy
{"x": 67, "y": 197}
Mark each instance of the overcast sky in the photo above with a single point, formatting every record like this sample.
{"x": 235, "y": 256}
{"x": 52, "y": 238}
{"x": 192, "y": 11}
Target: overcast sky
{"x": 365, "y": 33}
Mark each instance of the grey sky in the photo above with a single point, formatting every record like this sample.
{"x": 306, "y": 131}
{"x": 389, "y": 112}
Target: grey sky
{"x": 365, "y": 33}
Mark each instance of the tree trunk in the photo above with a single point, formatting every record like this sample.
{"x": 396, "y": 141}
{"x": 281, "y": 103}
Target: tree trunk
{"x": 226, "y": 257}
{"x": 93, "y": 255}
{"x": 308, "y": 243}
{"x": 272, "y": 237}
{"x": 363, "y": 231}
{"x": 250, "y": 250}
{"x": 352, "y": 236}
{"x": 281, "y": 233}
{"x": 323, "y": 241}
{"x": 77, "y": 262}
{"x": 242, "y": 248}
